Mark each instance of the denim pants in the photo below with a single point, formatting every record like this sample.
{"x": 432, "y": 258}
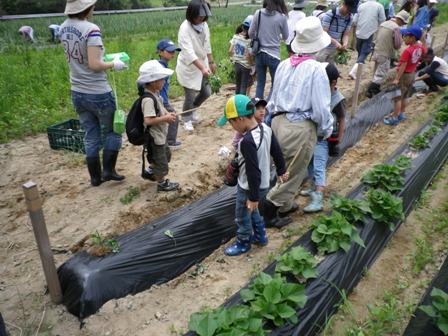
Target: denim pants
{"x": 364, "y": 48}
{"x": 318, "y": 165}
{"x": 96, "y": 115}
{"x": 194, "y": 98}
{"x": 242, "y": 75}
{"x": 435, "y": 78}
{"x": 246, "y": 220}
{"x": 263, "y": 62}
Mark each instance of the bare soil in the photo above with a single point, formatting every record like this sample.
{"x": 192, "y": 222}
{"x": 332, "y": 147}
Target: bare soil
{"x": 73, "y": 210}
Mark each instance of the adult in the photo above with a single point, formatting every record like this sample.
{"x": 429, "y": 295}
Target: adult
{"x": 270, "y": 24}
{"x": 367, "y": 20}
{"x": 320, "y": 9}
{"x": 387, "y": 42}
{"x": 433, "y": 11}
{"x": 337, "y": 23}
{"x": 27, "y": 33}
{"x": 195, "y": 61}
{"x": 421, "y": 18}
{"x": 409, "y": 6}
{"x": 55, "y": 31}
{"x": 91, "y": 93}
{"x": 435, "y": 74}
{"x": 300, "y": 103}
{"x": 294, "y": 16}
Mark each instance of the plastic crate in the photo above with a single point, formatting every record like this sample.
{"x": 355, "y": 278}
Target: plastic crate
{"x": 67, "y": 135}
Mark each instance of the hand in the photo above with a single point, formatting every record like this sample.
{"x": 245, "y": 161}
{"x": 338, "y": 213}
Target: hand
{"x": 171, "y": 117}
{"x": 205, "y": 72}
{"x": 251, "y": 206}
{"x": 119, "y": 65}
{"x": 213, "y": 67}
{"x": 339, "y": 46}
{"x": 396, "y": 82}
{"x": 283, "y": 178}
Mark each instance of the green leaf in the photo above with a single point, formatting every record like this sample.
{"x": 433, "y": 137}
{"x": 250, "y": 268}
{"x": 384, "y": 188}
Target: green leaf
{"x": 443, "y": 326}
{"x": 357, "y": 239}
{"x": 285, "y": 311}
{"x": 247, "y": 295}
{"x": 271, "y": 294}
{"x": 429, "y": 310}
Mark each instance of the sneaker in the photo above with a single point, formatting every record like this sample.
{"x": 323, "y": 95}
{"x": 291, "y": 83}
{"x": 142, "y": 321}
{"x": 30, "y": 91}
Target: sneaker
{"x": 166, "y": 185}
{"x": 391, "y": 121}
{"x": 195, "y": 117}
{"x": 401, "y": 117}
{"x": 148, "y": 174}
{"x": 188, "y": 125}
{"x": 175, "y": 145}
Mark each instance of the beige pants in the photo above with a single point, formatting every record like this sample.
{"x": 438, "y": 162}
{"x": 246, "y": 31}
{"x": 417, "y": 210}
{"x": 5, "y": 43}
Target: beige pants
{"x": 293, "y": 137}
{"x": 326, "y": 55}
{"x": 382, "y": 68}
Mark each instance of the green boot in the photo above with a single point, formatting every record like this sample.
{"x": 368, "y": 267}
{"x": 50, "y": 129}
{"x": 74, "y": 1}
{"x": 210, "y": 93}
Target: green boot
{"x": 316, "y": 203}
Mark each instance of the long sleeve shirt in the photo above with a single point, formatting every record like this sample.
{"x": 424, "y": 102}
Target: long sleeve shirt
{"x": 303, "y": 92}
{"x": 165, "y": 89}
{"x": 370, "y": 15}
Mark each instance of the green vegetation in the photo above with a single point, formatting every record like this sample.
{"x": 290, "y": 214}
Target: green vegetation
{"x": 352, "y": 209}
{"x": 108, "y": 245}
{"x": 438, "y": 309}
{"x": 298, "y": 262}
{"x": 384, "y": 176}
{"x": 133, "y": 193}
{"x": 385, "y": 208}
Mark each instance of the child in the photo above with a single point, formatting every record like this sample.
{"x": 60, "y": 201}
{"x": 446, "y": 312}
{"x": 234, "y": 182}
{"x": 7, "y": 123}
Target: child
{"x": 406, "y": 72}
{"x": 260, "y": 111}
{"x": 239, "y": 52}
{"x": 254, "y": 151}
{"x": 152, "y": 76}
{"x": 324, "y": 148}
{"x": 167, "y": 50}
{"x": 27, "y": 33}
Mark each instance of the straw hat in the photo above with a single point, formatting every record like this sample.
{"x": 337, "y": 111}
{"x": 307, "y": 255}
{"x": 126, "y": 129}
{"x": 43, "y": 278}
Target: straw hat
{"x": 151, "y": 71}
{"x": 77, "y": 6}
{"x": 310, "y": 37}
{"x": 403, "y": 15}
{"x": 322, "y": 3}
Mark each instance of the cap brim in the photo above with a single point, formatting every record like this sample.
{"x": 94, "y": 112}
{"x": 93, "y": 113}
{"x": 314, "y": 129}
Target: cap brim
{"x": 221, "y": 121}
{"x": 261, "y": 102}
{"x": 171, "y": 48}
{"x": 313, "y": 47}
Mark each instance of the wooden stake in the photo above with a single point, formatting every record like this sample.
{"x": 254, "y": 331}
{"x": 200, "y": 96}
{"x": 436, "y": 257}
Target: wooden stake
{"x": 444, "y": 46}
{"x": 34, "y": 206}
{"x": 433, "y": 39}
{"x": 356, "y": 91}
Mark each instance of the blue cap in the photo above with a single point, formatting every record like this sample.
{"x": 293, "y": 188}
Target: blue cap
{"x": 248, "y": 21}
{"x": 415, "y": 31}
{"x": 167, "y": 45}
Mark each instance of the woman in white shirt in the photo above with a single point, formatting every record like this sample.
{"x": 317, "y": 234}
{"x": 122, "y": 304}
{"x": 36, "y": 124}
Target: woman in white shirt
{"x": 195, "y": 62}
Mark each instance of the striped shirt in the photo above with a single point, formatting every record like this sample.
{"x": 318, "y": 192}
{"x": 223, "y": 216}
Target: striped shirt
{"x": 336, "y": 26}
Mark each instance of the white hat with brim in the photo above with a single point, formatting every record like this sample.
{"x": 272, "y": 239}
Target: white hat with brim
{"x": 151, "y": 71}
{"x": 77, "y": 6}
{"x": 310, "y": 37}
{"x": 403, "y": 16}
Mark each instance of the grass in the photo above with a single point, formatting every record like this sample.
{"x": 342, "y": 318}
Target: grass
{"x": 133, "y": 193}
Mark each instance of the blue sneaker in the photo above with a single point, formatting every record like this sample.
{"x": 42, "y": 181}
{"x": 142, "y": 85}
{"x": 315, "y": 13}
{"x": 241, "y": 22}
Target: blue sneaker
{"x": 401, "y": 117}
{"x": 391, "y": 121}
{"x": 238, "y": 248}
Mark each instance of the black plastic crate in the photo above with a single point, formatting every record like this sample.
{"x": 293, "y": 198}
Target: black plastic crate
{"x": 67, "y": 135}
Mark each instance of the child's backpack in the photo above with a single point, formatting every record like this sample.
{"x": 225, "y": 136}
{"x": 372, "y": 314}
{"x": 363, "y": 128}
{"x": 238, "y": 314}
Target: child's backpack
{"x": 136, "y": 131}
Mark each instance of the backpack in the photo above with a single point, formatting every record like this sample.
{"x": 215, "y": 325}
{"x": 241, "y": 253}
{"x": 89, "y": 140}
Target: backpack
{"x": 333, "y": 17}
{"x": 136, "y": 132}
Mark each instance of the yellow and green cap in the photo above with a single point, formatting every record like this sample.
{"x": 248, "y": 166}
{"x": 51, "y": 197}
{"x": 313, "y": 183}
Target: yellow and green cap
{"x": 237, "y": 106}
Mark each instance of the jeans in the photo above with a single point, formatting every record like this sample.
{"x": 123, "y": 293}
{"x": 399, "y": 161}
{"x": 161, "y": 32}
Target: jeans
{"x": 435, "y": 79}
{"x": 171, "y": 137}
{"x": 96, "y": 115}
{"x": 194, "y": 98}
{"x": 364, "y": 48}
{"x": 318, "y": 164}
{"x": 244, "y": 219}
{"x": 242, "y": 78}
{"x": 263, "y": 62}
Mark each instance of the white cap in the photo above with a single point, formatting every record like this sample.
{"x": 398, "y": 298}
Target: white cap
{"x": 433, "y": 1}
{"x": 151, "y": 71}
{"x": 310, "y": 37}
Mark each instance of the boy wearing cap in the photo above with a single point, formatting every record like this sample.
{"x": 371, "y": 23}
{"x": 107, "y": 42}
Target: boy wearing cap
{"x": 254, "y": 151}
{"x": 241, "y": 57}
{"x": 152, "y": 76}
{"x": 260, "y": 112}
{"x": 405, "y": 76}
{"x": 167, "y": 50}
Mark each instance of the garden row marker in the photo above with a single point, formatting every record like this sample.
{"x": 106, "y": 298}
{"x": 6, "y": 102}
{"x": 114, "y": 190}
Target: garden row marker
{"x": 34, "y": 207}
{"x": 356, "y": 92}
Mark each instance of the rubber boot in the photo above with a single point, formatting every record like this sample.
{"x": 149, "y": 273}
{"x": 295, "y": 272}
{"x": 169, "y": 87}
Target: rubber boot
{"x": 240, "y": 247}
{"x": 270, "y": 215}
{"x": 94, "y": 167}
{"x": 109, "y": 162}
{"x": 259, "y": 238}
{"x": 316, "y": 202}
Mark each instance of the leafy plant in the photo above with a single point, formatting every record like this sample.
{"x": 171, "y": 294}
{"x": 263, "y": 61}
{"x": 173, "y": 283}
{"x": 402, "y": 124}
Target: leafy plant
{"x": 342, "y": 57}
{"x": 384, "y": 176}
{"x": 431, "y": 132}
{"x": 227, "y": 68}
{"x": 299, "y": 262}
{"x": 353, "y": 210}
{"x": 438, "y": 309}
{"x": 235, "y": 321}
{"x": 334, "y": 232}
{"x": 441, "y": 117}
{"x": 420, "y": 142}
{"x": 133, "y": 193}
{"x": 170, "y": 234}
{"x": 215, "y": 83}
{"x": 403, "y": 162}
{"x": 384, "y": 207}
{"x": 275, "y": 299}
{"x": 102, "y": 245}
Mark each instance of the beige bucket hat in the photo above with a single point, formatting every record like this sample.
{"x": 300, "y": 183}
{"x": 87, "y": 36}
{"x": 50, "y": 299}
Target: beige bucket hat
{"x": 403, "y": 15}
{"x": 310, "y": 37}
{"x": 77, "y": 6}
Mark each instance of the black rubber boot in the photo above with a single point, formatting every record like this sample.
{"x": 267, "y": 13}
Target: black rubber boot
{"x": 109, "y": 162}
{"x": 270, "y": 215}
{"x": 94, "y": 166}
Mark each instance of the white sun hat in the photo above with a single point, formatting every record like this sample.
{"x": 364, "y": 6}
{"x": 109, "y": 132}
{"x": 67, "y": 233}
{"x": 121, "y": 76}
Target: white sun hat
{"x": 77, "y": 6}
{"x": 151, "y": 71}
{"x": 310, "y": 37}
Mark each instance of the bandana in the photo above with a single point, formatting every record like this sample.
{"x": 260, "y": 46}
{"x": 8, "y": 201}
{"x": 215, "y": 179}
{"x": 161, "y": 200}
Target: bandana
{"x": 297, "y": 59}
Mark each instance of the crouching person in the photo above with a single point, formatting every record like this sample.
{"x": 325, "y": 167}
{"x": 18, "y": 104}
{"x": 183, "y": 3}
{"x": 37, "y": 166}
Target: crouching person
{"x": 152, "y": 75}
{"x": 254, "y": 151}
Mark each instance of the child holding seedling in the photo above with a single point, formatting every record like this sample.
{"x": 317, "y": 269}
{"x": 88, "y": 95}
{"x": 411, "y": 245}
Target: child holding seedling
{"x": 254, "y": 151}
{"x": 241, "y": 57}
{"x": 405, "y": 76}
{"x": 260, "y": 111}
{"x": 152, "y": 76}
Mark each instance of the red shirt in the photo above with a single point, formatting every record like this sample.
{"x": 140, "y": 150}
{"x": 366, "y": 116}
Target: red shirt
{"x": 412, "y": 55}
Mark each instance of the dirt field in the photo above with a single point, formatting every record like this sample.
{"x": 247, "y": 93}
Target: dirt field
{"x": 74, "y": 209}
